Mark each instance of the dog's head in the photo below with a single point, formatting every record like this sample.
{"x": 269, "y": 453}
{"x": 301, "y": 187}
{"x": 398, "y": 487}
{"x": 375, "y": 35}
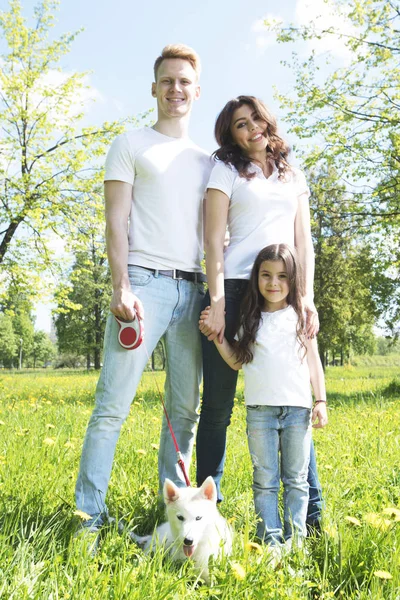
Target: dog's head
{"x": 189, "y": 511}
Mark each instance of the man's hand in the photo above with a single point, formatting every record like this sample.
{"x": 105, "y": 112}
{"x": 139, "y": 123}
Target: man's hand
{"x": 212, "y": 324}
{"x": 312, "y": 320}
{"x": 125, "y": 305}
{"x": 319, "y": 416}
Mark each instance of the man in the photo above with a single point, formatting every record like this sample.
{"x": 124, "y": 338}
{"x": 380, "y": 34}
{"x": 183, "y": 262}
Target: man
{"x": 154, "y": 185}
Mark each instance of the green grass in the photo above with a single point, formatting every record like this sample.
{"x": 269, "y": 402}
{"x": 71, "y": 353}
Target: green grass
{"x": 43, "y": 416}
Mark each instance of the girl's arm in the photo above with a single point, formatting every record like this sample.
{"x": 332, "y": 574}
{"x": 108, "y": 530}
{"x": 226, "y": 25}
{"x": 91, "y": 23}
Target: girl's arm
{"x": 319, "y": 414}
{"x": 224, "y": 347}
{"x": 305, "y": 251}
{"x": 216, "y": 212}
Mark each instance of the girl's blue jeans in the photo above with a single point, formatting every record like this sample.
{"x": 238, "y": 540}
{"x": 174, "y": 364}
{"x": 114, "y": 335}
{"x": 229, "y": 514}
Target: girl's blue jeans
{"x": 279, "y": 442}
{"x": 217, "y": 404}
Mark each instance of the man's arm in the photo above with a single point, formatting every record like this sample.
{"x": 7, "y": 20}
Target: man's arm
{"x": 118, "y": 201}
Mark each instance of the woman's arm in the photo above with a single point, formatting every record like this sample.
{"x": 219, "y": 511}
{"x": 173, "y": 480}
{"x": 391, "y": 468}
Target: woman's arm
{"x": 216, "y": 212}
{"x": 224, "y": 348}
{"x": 305, "y": 251}
{"x": 319, "y": 415}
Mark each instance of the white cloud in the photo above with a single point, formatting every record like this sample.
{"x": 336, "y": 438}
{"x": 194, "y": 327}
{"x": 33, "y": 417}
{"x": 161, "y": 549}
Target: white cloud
{"x": 263, "y": 38}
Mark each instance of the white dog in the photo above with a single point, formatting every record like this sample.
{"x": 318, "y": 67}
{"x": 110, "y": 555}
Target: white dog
{"x": 195, "y": 529}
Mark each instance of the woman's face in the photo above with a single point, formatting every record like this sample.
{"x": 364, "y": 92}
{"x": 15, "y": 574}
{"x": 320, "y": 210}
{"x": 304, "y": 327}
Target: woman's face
{"x": 248, "y": 130}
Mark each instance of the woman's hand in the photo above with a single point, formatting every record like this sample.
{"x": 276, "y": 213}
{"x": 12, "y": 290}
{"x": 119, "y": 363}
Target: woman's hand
{"x": 319, "y": 415}
{"x": 312, "y": 320}
{"x": 212, "y": 323}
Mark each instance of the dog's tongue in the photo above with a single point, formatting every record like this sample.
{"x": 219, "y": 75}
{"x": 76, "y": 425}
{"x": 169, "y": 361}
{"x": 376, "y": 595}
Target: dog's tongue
{"x": 188, "y": 550}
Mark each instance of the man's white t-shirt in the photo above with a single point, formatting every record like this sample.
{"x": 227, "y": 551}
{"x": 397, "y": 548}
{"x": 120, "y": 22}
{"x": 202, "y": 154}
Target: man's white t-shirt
{"x": 278, "y": 375}
{"x": 261, "y": 212}
{"x": 169, "y": 177}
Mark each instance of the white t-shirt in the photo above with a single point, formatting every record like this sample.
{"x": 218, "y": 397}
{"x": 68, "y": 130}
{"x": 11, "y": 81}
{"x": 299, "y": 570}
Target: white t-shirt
{"x": 169, "y": 177}
{"x": 278, "y": 375}
{"x": 261, "y": 212}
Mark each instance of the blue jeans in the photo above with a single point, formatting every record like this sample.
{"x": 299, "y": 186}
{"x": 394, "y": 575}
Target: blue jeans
{"x": 219, "y": 387}
{"x": 284, "y": 431}
{"x": 171, "y": 310}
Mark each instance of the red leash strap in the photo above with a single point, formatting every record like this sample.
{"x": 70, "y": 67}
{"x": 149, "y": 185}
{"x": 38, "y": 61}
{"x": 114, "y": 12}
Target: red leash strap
{"x": 179, "y": 458}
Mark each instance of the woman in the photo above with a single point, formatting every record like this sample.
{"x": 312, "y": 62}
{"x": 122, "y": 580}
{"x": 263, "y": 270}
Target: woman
{"x": 255, "y": 194}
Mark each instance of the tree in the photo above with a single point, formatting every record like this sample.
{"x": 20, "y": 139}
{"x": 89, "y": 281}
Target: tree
{"x": 351, "y": 114}
{"x": 83, "y": 302}
{"x": 355, "y": 109}
{"x": 49, "y": 162}
{"x": 345, "y": 296}
{"x": 8, "y": 341}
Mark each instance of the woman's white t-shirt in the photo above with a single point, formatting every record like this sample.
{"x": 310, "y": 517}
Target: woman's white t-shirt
{"x": 262, "y": 211}
{"x": 278, "y": 375}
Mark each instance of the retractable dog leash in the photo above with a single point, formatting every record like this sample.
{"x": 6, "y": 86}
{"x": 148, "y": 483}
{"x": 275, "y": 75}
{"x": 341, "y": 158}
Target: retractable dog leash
{"x": 130, "y": 337}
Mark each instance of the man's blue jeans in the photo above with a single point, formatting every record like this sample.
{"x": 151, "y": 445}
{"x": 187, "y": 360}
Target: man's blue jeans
{"x": 172, "y": 309}
{"x": 279, "y": 442}
{"x": 217, "y": 404}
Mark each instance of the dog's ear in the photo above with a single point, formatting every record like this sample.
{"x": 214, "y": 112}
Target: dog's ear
{"x": 171, "y": 492}
{"x": 208, "y": 490}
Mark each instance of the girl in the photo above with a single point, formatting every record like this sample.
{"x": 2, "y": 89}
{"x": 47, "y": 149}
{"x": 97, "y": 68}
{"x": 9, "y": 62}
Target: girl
{"x": 261, "y": 199}
{"x": 278, "y": 362}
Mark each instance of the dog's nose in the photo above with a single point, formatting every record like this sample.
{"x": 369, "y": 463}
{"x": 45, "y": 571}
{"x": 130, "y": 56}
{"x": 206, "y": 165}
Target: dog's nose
{"x": 188, "y": 542}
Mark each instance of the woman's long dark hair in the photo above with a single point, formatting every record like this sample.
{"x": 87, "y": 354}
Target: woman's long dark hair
{"x": 253, "y": 302}
{"x": 230, "y": 153}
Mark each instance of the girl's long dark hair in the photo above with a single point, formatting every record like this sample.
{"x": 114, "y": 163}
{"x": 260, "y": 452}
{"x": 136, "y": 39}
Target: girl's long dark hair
{"x": 230, "y": 153}
{"x": 253, "y": 302}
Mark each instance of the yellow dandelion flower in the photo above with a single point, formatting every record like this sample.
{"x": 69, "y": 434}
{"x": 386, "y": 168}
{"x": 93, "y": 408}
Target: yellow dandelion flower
{"x": 353, "y": 521}
{"x": 392, "y": 511}
{"x": 50, "y": 426}
{"x": 238, "y": 571}
{"x": 49, "y": 441}
{"x": 141, "y": 451}
{"x": 253, "y": 546}
{"x": 82, "y": 515}
{"x": 155, "y": 446}
{"x": 331, "y": 531}
{"x": 377, "y": 521}
{"x": 383, "y": 575}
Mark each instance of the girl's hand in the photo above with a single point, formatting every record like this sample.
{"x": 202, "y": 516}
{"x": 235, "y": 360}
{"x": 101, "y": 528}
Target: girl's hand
{"x": 312, "y": 320}
{"x": 319, "y": 415}
{"x": 212, "y": 324}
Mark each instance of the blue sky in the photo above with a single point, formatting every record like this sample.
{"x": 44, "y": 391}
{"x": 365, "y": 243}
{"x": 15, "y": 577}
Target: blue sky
{"x": 122, "y": 38}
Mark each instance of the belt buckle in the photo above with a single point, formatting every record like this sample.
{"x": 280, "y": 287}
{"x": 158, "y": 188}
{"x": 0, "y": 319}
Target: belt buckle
{"x": 174, "y": 275}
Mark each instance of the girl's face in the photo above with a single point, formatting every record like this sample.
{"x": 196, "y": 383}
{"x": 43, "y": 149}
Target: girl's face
{"x": 248, "y": 130}
{"x": 273, "y": 284}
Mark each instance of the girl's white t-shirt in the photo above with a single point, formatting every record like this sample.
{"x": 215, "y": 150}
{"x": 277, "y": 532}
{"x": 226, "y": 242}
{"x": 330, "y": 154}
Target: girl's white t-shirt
{"x": 278, "y": 374}
{"x": 262, "y": 211}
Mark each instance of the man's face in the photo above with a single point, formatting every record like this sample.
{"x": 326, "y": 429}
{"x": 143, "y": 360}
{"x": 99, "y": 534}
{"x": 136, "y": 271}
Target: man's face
{"x": 176, "y": 88}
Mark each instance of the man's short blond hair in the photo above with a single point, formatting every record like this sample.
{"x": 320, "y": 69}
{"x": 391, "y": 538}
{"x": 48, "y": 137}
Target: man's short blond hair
{"x": 178, "y": 51}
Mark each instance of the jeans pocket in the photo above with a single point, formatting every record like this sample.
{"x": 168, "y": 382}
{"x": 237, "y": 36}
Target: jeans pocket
{"x": 139, "y": 276}
{"x": 253, "y": 406}
{"x": 201, "y": 289}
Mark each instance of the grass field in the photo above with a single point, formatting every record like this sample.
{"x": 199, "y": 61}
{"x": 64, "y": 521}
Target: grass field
{"x": 43, "y": 416}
